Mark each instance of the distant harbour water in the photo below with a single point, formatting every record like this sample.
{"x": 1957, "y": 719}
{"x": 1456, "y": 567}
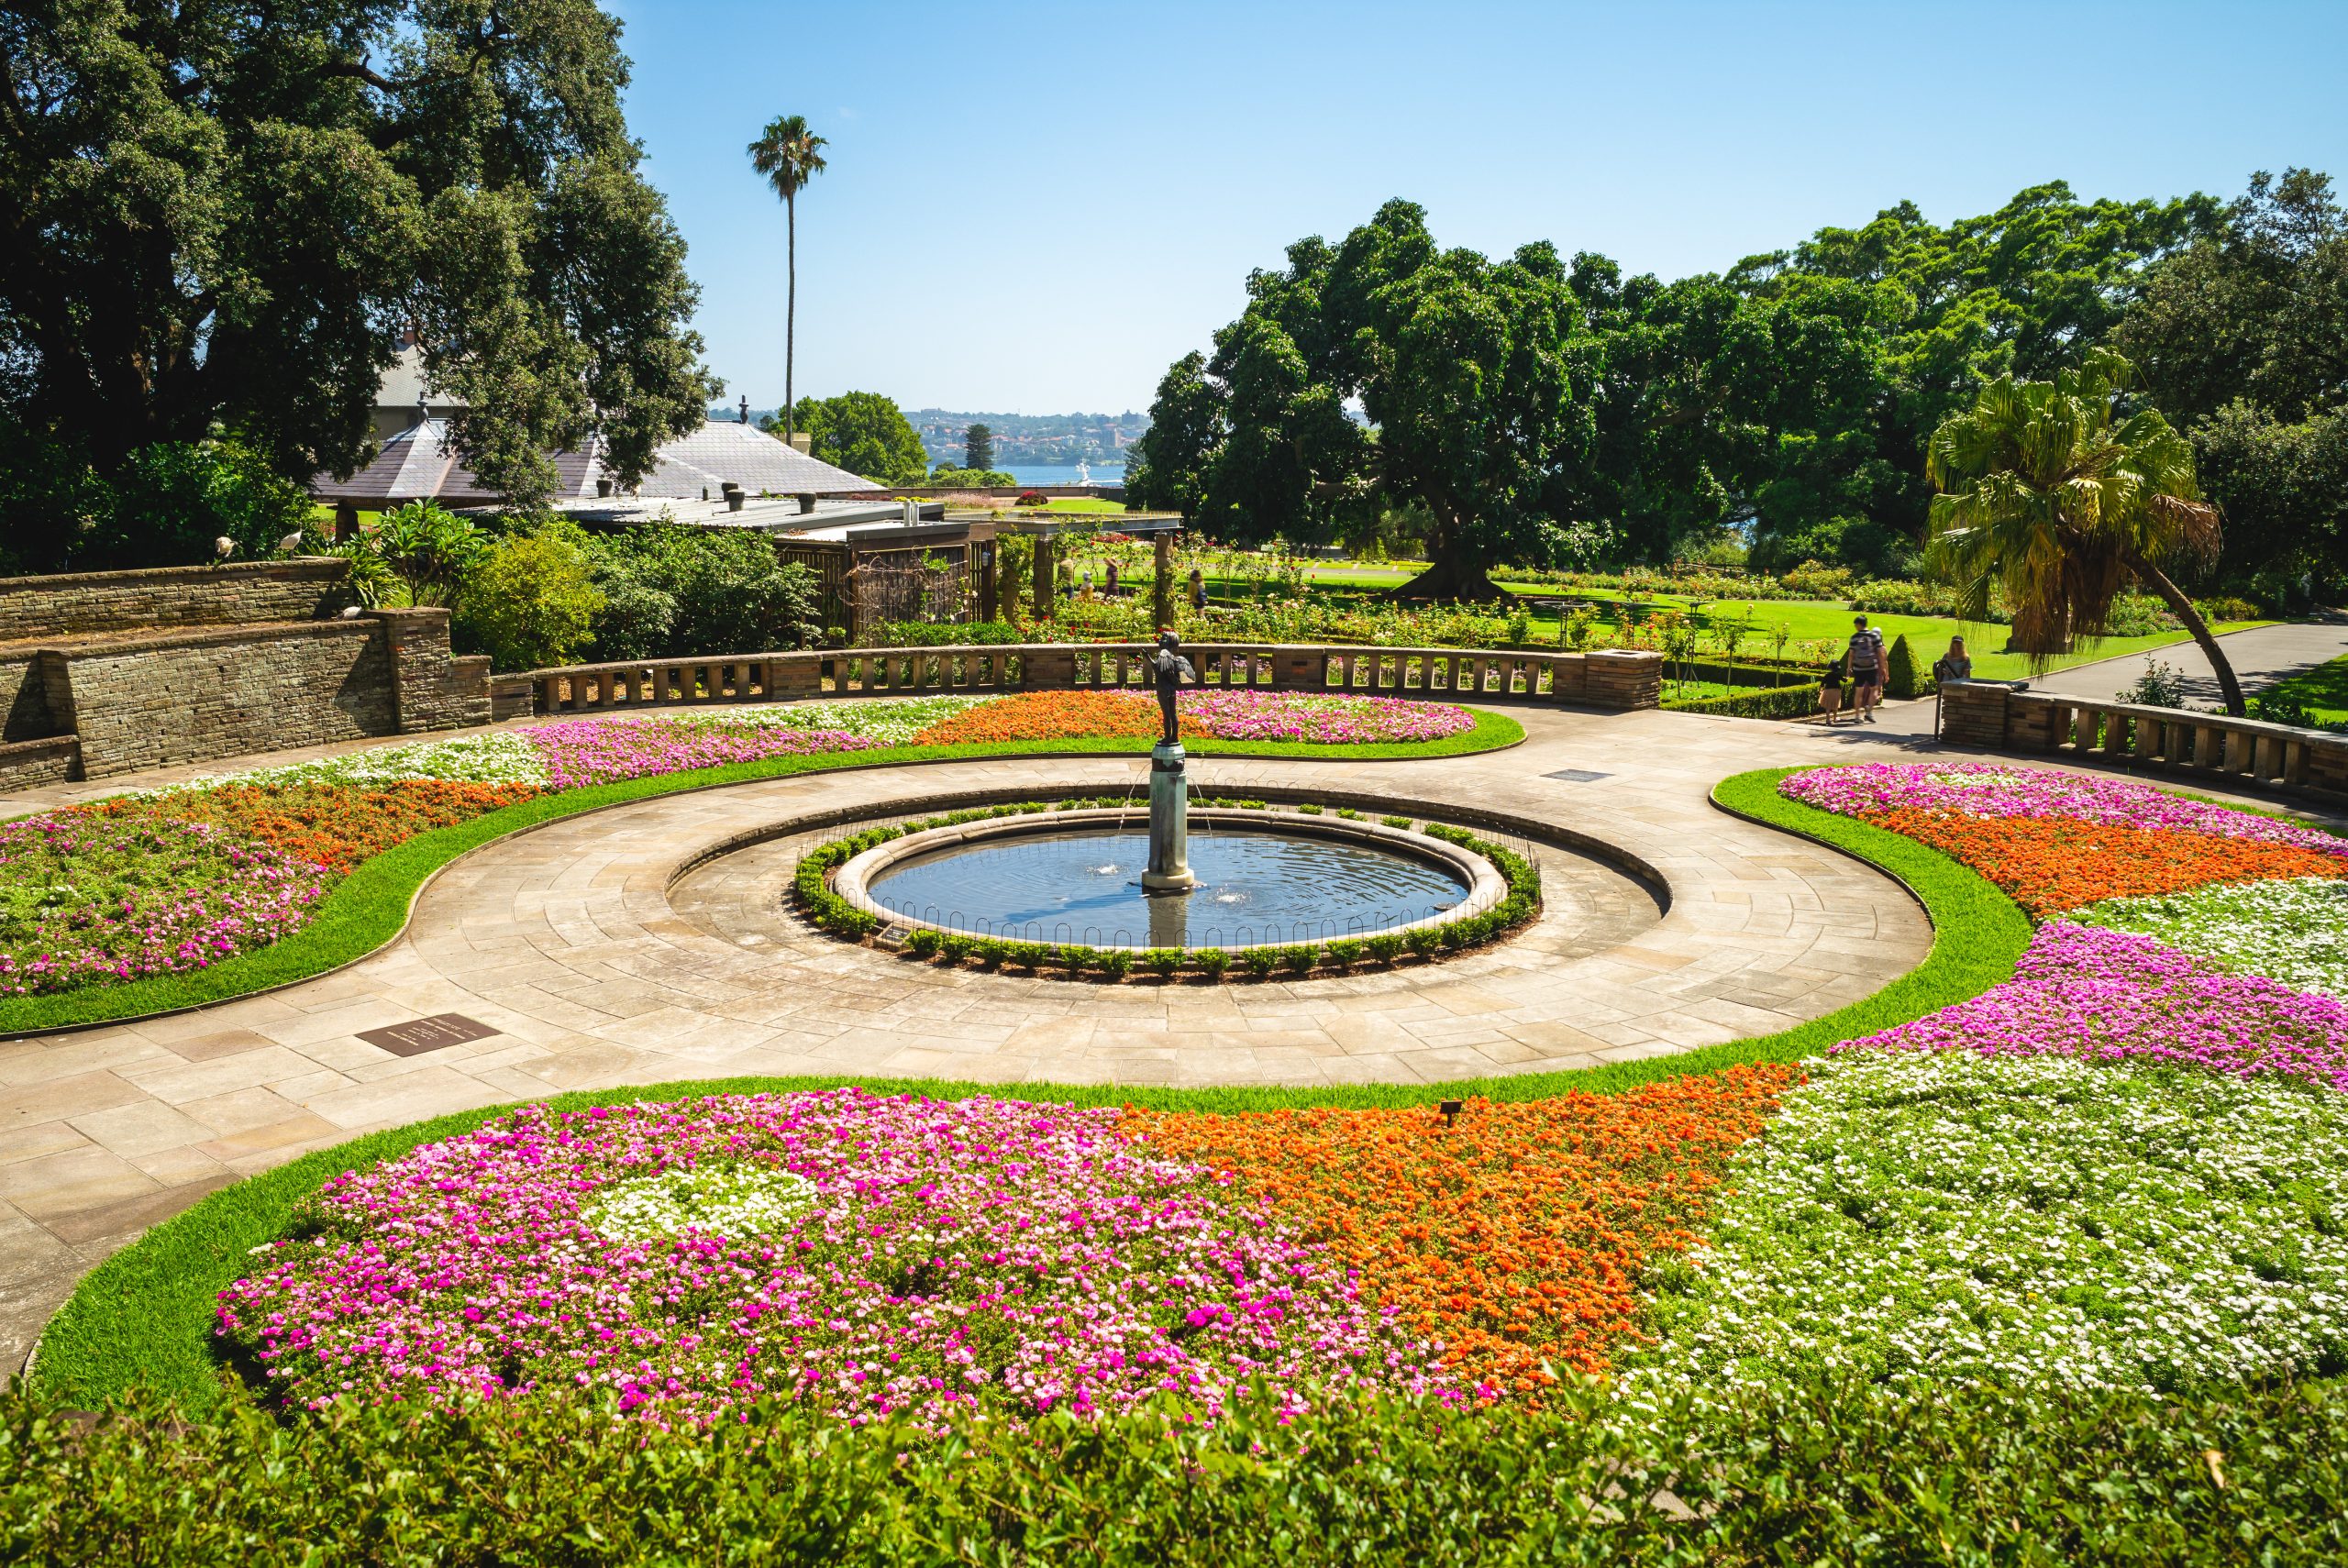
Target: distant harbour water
{"x": 1066, "y": 473}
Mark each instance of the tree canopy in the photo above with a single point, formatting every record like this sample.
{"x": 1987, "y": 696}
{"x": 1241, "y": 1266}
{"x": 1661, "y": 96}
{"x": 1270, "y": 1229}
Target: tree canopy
{"x": 215, "y": 215}
{"x": 864, "y": 433}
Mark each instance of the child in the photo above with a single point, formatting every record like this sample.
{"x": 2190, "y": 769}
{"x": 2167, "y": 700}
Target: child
{"x": 1830, "y": 693}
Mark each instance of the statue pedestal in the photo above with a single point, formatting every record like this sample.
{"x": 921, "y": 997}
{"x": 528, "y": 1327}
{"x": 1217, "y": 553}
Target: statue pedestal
{"x": 1170, "y": 823}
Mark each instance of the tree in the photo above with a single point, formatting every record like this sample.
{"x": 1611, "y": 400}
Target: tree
{"x": 2243, "y": 340}
{"x": 977, "y": 448}
{"x": 530, "y": 599}
{"x": 218, "y": 217}
{"x": 864, "y": 433}
{"x": 2046, "y": 488}
{"x": 789, "y": 155}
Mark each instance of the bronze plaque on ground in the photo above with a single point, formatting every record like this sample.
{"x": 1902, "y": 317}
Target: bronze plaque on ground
{"x": 415, "y": 1038}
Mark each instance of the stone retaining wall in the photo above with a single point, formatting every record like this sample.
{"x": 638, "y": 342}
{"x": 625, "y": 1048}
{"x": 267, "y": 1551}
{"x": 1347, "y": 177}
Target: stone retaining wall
{"x": 82, "y": 604}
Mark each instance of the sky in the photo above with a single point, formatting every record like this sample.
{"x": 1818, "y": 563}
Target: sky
{"x": 1034, "y": 208}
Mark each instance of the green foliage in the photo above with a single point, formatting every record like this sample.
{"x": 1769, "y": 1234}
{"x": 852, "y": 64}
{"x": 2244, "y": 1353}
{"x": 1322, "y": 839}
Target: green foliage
{"x": 1342, "y": 955}
{"x": 673, "y": 591}
{"x": 1300, "y": 960}
{"x": 228, "y": 217}
{"x": 426, "y": 549}
{"x": 1385, "y": 947}
{"x": 977, "y": 449}
{"x": 1114, "y": 963}
{"x": 164, "y": 504}
{"x": 1163, "y": 961}
{"x": 1396, "y": 821}
{"x": 1825, "y": 1473}
{"x": 923, "y": 942}
{"x": 971, "y": 478}
{"x": 943, "y": 633}
{"x": 530, "y": 600}
{"x": 866, "y": 434}
{"x": 1902, "y": 678}
{"x": 1259, "y": 962}
{"x": 1212, "y": 962}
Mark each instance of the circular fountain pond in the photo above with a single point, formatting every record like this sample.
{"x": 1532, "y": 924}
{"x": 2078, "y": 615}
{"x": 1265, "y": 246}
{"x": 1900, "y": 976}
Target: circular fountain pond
{"x": 1076, "y": 877}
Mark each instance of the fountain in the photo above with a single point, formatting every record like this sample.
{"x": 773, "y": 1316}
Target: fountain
{"x": 1256, "y": 879}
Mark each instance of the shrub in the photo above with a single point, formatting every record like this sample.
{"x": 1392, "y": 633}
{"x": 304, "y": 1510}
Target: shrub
{"x": 427, "y": 548}
{"x": 923, "y": 942}
{"x": 680, "y": 592}
{"x": 1310, "y": 811}
{"x": 1815, "y": 580}
{"x": 1115, "y": 963}
{"x": 993, "y": 952}
{"x": 1033, "y": 498}
{"x": 1403, "y": 822}
{"x": 1349, "y": 814}
{"x": 2139, "y": 615}
{"x": 1299, "y": 960}
{"x": 1163, "y": 961}
{"x": 1261, "y": 961}
{"x": 1029, "y": 955}
{"x": 530, "y": 599}
{"x": 1343, "y": 955}
{"x": 1386, "y": 948}
{"x": 2226, "y": 607}
{"x": 1212, "y": 962}
{"x": 955, "y": 948}
{"x": 1766, "y": 703}
{"x": 1901, "y": 676}
{"x": 1425, "y": 941}
{"x": 943, "y": 633}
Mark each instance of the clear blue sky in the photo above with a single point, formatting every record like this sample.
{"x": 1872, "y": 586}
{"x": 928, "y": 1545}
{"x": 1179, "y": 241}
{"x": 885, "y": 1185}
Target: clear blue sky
{"x": 1035, "y": 207}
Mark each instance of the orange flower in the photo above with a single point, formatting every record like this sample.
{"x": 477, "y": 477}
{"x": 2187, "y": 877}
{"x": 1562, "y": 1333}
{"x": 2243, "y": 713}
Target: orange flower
{"x": 2048, "y": 865}
{"x": 333, "y": 825}
{"x": 1054, "y": 716}
{"x": 1517, "y": 1237}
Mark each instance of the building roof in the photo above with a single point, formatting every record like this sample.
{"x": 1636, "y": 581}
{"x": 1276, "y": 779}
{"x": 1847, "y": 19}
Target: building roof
{"x": 419, "y": 464}
{"x": 759, "y": 463}
{"x": 403, "y": 386}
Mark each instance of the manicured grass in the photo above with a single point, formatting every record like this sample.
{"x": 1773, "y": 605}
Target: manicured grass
{"x": 1928, "y": 635}
{"x": 370, "y": 906}
{"x": 1064, "y": 504}
{"x": 2322, "y": 691}
{"x": 142, "y": 1318}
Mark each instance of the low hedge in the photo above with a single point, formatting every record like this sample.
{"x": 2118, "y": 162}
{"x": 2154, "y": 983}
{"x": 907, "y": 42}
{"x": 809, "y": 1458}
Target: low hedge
{"x": 369, "y": 907}
{"x": 1822, "y": 1474}
{"x": 1769, "y": 702}
{"x": 810, "y": 885}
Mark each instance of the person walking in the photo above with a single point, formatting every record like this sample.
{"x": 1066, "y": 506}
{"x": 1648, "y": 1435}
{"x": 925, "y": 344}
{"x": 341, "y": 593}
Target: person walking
{"x": 1865, "y": 657}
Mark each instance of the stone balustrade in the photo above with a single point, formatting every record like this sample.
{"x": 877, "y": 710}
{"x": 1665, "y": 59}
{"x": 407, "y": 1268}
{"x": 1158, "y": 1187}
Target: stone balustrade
{"x": 2208, "y": 746}
{"x": 1612, "y": 678}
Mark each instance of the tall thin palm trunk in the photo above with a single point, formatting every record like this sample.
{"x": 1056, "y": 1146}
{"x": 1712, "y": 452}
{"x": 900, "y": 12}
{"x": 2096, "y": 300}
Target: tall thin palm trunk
{"x": 2182, "y": 607}
{"x": 790, "y": 318}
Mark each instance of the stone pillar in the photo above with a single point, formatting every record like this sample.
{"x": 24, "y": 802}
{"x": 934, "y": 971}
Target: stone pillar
{"x": 1973, "y": 713}
{"x": 430, "y": 690}
{"x": 1046, "y": 586}
{"x": 1170, "y": 823}
{"x": 1161, "y": 592}
{"x": 1621, "y": 679}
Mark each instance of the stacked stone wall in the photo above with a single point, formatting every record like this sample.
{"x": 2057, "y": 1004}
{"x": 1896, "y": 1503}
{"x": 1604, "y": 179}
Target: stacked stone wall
{"x": 84, "y": 604}
{"x": 23, "y": 705}
{"x": 191, "y": 696}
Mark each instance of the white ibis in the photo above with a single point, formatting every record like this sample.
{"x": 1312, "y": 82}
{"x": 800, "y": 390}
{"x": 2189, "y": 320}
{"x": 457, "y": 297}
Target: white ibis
{"x": 290, "y": 544}
{"x": 223, "y": 547}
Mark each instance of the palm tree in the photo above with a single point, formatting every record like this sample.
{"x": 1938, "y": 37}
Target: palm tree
{"x": 789, "y": 155}
{"x": 2048, "y": 491}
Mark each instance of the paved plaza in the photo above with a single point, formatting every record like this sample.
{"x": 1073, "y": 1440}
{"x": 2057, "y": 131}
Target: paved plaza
{"x": 602, "y": 955}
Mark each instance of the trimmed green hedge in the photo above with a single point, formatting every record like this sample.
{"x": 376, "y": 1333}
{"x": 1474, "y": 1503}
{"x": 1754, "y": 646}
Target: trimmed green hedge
{"x": 369, "y": 907}
{"x": 1770, "y": 703}
{"x": 1821, "y": 1475}
{"x": 142, "y": 1318}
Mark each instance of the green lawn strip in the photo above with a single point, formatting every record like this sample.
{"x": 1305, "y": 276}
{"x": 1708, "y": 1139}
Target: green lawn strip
{"x": 142, "y": 1318}
{"x": 368, "y": 908}
{"x": 2322, "y": 691}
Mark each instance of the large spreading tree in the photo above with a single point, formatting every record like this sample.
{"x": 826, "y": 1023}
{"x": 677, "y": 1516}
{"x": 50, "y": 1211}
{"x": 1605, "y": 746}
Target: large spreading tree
{"x": 221, "y": 215}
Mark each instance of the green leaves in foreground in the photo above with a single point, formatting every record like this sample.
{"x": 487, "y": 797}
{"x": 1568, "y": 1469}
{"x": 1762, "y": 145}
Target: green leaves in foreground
{"x": 1828, "y": 1474}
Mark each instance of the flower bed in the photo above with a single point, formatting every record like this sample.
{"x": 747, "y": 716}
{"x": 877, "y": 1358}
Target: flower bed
{"x": 1333, "y": 720}
{"x": 87, "y": 900}
{"x": 2294, "y": 931}
{"x": 871, "y": 1256}
{"x": 1949, "y": 1218}
{"x": 1516, "y": 1234}
{"x": 326, "y": 824}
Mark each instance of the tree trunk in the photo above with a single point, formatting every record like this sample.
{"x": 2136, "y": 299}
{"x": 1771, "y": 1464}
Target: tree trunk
{"x": 790, "y": 317}
{"x": 1450, "y": 576}
{"x": 2181, "y": 607}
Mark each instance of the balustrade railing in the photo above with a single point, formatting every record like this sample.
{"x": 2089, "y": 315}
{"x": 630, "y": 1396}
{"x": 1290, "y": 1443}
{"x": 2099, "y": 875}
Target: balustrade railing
{"x": 1603, "y": 679}
{"x": 2167, "y": 740}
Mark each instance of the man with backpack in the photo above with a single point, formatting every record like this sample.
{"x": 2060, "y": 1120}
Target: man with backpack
{"x": 1866, "y": 659}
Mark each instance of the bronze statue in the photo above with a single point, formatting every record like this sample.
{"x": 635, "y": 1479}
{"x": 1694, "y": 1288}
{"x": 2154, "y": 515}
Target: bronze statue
{"x": 1172, "y": 669}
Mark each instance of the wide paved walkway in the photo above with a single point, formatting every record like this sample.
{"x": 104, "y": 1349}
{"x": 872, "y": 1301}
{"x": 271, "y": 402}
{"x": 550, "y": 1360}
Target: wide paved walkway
{"x": 595, "y": 964}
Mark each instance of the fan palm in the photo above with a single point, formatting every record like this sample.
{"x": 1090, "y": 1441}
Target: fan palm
{"x": 2047, "y": 491}
{"x": 789, "y": 155}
